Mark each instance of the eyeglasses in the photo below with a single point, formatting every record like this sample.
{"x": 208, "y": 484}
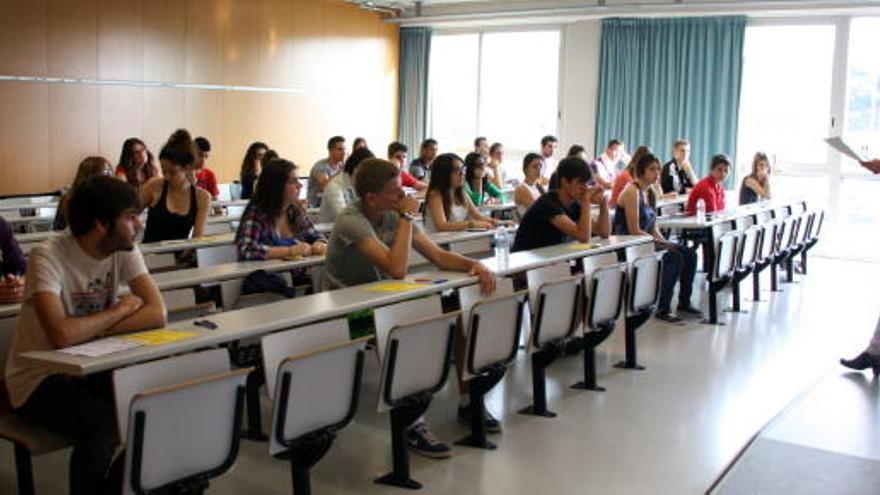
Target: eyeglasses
{"x": 457, "y": 170}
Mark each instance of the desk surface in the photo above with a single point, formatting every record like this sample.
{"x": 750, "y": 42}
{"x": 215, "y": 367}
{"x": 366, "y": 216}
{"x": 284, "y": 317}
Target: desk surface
{"x": 267, "y": 318}
{"x": 728, "y": 215}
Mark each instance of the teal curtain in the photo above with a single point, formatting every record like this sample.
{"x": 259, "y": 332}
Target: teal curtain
{"x": 667, "y": 79}
{"x": 412, "y": 108}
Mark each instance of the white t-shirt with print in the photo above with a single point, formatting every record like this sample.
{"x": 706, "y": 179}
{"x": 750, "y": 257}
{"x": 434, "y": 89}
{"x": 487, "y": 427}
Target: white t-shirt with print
{"x": 85, "y": 286}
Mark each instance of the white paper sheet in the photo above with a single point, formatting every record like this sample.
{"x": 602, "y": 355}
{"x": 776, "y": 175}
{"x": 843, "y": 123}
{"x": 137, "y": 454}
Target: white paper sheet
{"x": 101, "y": 347}
{"x": 838, "y": 144}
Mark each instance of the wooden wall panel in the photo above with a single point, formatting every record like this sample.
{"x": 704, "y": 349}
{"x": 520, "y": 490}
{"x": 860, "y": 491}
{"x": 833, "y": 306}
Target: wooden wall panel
{"x": 23, "y": 37}
{"x": 120, "y": 40}
{"x": 340, "y": 62}
{"x": 164, "y": 40}
{"x": 24, "y": 135}
{"x": 73, "y": 38}
{"x": 120, "y": 116}
{"x": 73, "y": 129}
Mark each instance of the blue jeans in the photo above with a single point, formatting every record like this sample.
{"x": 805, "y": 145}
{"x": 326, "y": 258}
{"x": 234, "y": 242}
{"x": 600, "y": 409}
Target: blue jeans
{"x": 679, "y": 265}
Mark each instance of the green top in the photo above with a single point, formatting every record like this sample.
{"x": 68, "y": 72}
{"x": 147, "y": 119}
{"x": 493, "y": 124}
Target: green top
{"x": 490, "y": 189}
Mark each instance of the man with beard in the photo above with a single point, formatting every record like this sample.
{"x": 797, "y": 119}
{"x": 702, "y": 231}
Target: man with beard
{"x": 71, "y": 297}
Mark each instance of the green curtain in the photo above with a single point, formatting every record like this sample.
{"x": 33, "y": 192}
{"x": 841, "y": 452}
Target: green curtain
{"x": 667, "y": 79}
{"x": 412, "y": 108}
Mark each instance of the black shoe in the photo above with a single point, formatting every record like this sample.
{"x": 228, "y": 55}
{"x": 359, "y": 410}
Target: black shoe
{"x": 863, "y": 361}
{"x": 667, "y": 317}
{"x": 492, "y": 424}
{"x": 688, "y": 309}
{"x": 420, "y": 440}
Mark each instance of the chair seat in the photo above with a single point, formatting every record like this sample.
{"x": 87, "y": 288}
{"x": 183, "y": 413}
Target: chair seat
{"x": 38, "y": 441}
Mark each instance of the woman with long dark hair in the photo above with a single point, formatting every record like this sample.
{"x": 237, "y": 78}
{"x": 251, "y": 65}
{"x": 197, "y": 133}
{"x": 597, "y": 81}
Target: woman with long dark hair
{"x": 136, "y": 164}
{"x": 477, "y": 184}
{"x": 251, "y": 166}
{"x": 756, "y": 185}
{"x": 274, "y": 224}
{"x": 531, "y": 189}
{"x": 448, "y": 208}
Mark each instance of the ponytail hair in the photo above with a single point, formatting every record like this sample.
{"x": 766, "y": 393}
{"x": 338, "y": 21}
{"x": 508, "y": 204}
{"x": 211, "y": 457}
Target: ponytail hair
{"x": 179, "y": 149}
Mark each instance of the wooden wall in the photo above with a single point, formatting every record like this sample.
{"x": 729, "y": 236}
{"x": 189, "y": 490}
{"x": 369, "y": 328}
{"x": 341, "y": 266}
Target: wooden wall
{"x": 342, "y": 60}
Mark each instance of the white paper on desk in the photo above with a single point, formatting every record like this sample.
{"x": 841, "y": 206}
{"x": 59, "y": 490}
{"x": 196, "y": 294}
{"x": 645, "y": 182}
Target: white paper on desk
{"x": 837, "y": 143}
{"x": 101, "y": 347}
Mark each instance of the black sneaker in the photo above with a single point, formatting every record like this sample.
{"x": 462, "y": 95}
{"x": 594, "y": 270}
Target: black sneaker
{"x": 492, "y": 424}
{"x": 667, "y": 317}
{"x": 420, "y": 440}
{"x": 689, "y": 310}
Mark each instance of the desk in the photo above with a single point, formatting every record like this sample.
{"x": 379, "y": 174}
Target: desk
{"x": 290, "y": 313}
{"x": 28, "y": 203}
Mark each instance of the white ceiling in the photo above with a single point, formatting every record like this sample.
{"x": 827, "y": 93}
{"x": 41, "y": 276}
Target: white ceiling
{"x": 489, "y": 12}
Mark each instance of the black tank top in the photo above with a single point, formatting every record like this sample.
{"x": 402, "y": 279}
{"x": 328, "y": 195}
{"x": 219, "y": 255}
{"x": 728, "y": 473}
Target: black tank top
{"x": 162, "y": 225}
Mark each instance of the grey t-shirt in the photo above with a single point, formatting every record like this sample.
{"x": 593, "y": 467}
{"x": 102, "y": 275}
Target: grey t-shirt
{"x": 344, "y": 265}
{"x": 322, "y": 166}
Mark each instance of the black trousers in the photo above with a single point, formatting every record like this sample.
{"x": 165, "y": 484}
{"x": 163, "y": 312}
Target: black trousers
{"x": 679, "y": 265}
{"x": 82, "y": 410}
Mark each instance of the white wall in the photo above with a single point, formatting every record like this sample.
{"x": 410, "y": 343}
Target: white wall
{"x": 578, "y": 85}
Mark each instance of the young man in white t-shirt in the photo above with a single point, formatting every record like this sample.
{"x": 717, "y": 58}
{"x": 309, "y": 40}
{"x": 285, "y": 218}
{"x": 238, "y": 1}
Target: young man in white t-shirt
{"x": 548, "y": 150}
{"x": 71, "y": 296}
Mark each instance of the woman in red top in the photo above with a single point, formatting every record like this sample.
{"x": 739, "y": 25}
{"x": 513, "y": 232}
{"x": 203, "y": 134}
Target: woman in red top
{"x": 136, "y": 163}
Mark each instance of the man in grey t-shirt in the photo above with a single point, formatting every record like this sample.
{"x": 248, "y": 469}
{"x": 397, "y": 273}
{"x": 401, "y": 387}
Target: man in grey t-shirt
{"x": 325, "y": 169}
{"x": 372, "y": 239}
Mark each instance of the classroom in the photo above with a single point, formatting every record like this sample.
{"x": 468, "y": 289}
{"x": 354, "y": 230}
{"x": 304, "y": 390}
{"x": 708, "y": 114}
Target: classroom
{"x": 439, "y": 246}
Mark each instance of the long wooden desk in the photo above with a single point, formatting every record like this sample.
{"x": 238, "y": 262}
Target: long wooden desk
{"x": 290, "y": 313}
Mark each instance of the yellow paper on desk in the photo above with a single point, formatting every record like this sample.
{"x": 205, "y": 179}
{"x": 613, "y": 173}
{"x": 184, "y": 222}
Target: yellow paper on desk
{"x": 210, "y": 238}
{"x": 580, "y": 246}
{"x": 159, "y": 337}
{"x": 393, "y": 286}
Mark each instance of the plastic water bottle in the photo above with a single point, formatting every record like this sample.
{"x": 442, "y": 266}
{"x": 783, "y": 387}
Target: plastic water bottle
{"x": 701, "y": 210}
{"x": 502, "y": 247}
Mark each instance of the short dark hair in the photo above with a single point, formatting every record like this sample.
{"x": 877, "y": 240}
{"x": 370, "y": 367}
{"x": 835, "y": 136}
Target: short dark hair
{"x": 479, "y": 140}
{"x": 372, "y": 176}
{"x": 203, "y": 144}
{"x": 575, "y": 149}
{"x": 548, "y": 139}
{"x": 613, "y": 142}
{"x": 334, "y": 141}
{"x": 571, "y": 168}
{"x": 429, "y": 142}
{"x": 720, "y": 159}
{"x": 495, "y": 147}
{"x": 529, "y": 158}
{"x": 99, "y": 199}
{"x": 396, "y": 146}
{"x": 355, "y": 159}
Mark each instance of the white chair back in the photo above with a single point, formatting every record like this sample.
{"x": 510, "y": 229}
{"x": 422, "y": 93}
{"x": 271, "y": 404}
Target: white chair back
{"x": 607, "y": 288}
{"x": 542, "y": 275}
{"x": 556, "y": 310}
{"x": 750, "y": 241}
{"x": 315, "y": 390}
{"x": 416, "y": 358}
{"x": 725, "y": 261}
{"x": 215, "y": 255}
{"x": 769, "y": 232}
{"x": 299, "y": 341}
{"x": 593, "y": 263}
{"x": 492, "y": 330}
{"x": 387, "y": 317}
{"x": 644, "y": 282}
{"x": 816, "y": 230}
{"x": 806, "y": 224}
{"x": 130, "y": 381}
{"x": 184, "y": 430}
{"x": 225, "y": 192}
{"x": 235, "y": 212}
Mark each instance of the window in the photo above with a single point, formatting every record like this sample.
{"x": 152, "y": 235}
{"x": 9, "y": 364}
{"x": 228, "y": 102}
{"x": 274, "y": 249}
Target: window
{"x": 502, "y": 85}
{"x": 785, "y": 106}
{"x": 862, "y": 130}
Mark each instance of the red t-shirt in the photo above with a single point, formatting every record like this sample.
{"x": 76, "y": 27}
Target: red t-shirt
{"x": 710, "y": 192}
{"x": 620, "y": 183}
{"x": 206, "y": 179}
{"x": 407, "y": 180}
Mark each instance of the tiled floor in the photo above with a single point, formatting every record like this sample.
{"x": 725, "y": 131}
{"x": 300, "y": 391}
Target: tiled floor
{"x": 672, "y": 428}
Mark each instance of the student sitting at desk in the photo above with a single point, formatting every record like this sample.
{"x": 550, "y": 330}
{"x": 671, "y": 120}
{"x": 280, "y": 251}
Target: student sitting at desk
{"x": 636, "y": 215}
{"x": 678, "y": 174}
{"x": 495, "y": 165}
{"x": 136, "y": 163}
{"x": 340, "y": 191}
{"x": 756, "y": 185}
{"x": 710, "y": 188}
{"x": 420, "y": 168}
{"x": 372, "y": 240}
{"x": 448, "y": 208}
{"x": 274, "y": 224}
{"x": 397, "y": 153}
{"x": 564, "y": 212}
{"x": 325, "y": 169}
{"x": 626, "y": 175}
{"x": 90, "y": 167}
{"x": 176, "y": 206}
{"x": 251, "y": 166}
{"x": 71, "y": 296}
{"x": 12, "y": 266}
{"x": 477, "y": 184}
{"x": 531, "y": 188}
{"x": 604, "y": 167}
{"x": 205, "y": 177}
